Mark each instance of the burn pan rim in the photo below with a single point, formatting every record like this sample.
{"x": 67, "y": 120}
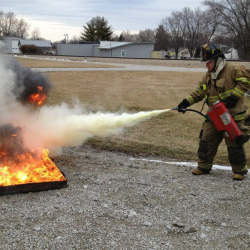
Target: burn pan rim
{"x": 33, "y": 187}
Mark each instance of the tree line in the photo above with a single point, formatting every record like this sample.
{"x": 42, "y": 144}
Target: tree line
{"x": 10, "y": 25}
{"x": 223, "y": 21}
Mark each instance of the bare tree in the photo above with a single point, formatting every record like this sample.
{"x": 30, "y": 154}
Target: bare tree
{"x": 74, "y": 40}
{"x": 147, "y": 35}
{"x": 7, "y": 22}
{"x": 211, "y": 24}
{"x": 175, "y": 29}
{"x": 12, "y": 26}
{"x": 115, "y": 37}
{"x": 235, "y": 21}
{"x": 199, "y": 26}
{"x": 126, "y": 36}
{"x": 221, "y": 39}
{"x": 192, "y": 24}
{"x": 35, "y": 34}
{"x": 21, "y": 29}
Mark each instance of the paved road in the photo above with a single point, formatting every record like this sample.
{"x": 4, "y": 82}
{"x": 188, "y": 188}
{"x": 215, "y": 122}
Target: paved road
{"x": 117, "y": 67}
{"x": 124, "y": 67}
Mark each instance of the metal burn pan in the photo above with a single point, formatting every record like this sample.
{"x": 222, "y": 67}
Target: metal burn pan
{"x": 33, "y": 187}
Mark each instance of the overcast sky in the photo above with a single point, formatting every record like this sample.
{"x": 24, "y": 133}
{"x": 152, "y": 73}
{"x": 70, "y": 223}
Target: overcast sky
{"x": 55, "y": 18}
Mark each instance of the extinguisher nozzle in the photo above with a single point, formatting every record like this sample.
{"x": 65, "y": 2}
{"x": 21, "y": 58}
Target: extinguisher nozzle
{"x": 176, "y": 108}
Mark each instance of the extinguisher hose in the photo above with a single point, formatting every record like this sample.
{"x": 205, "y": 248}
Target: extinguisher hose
{"x": 193, "y": 110}
{"x": 198, "y": 112}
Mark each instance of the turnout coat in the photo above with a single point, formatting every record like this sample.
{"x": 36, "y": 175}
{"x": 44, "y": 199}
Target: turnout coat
{"x": 232, "y": 79}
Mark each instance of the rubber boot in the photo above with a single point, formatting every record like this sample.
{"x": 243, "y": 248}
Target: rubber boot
{"x": 199, "y": 171}
{"x": 238, "y": 177}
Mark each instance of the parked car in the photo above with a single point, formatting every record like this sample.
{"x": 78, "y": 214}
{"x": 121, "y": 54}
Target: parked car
{"x": 51, "y": 52}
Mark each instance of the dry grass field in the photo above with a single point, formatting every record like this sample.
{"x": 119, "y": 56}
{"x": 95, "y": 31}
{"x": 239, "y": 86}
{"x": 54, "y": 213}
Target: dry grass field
{"x": 172, "y": 135}
{"x": 46, "y": 63}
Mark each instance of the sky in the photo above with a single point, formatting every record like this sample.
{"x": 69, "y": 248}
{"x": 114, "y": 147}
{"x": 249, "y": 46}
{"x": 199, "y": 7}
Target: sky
{"x": 55, "y": 19}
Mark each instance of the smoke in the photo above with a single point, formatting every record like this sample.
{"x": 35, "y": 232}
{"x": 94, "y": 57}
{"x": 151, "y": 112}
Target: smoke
{"x": 11, "y": 142}
{"x": 52, "y": 127}
{"x": 60, "y": 126}
{"x": 3, "y": 48}
{"x": 26, "y": 81}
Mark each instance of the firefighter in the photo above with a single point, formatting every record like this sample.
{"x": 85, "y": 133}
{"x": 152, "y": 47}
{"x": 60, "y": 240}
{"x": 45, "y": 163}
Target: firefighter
{"x": 225, "y": 82}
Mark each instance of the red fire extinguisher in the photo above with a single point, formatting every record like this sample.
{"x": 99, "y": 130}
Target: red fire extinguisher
{"x": 223, "y": 121}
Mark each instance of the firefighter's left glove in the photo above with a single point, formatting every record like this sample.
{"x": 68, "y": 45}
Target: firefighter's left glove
{"x": 183, "y": 105}
{"x": 231, "y": 101}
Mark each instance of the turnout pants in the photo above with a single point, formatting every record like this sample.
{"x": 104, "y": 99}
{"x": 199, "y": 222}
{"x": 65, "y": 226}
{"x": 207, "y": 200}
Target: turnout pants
{"x": 210, "y": 140}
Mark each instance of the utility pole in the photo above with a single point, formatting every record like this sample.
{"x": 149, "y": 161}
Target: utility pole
{"x": 66, "y": 37}
{"x": 110, "y": 48}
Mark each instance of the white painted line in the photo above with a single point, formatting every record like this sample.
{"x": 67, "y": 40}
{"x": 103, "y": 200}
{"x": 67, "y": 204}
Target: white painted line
{"x": 189, "y": 164}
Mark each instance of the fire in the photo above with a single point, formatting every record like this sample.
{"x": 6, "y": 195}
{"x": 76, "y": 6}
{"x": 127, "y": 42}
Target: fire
{"x": 29, "y": 169}
{"x": 39, "y": 98}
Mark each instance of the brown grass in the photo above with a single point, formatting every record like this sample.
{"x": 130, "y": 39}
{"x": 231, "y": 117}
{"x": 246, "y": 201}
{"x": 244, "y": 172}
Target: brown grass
{"x": 35, "y": 63}
{"x": 172, "y": 135}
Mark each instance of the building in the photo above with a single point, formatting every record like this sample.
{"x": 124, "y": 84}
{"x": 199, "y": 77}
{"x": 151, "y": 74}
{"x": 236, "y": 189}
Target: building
{"x": 232, "y": 53}
{"x": 107, "y": 49}
{"x": 12, "y": 44}
{"x": 183, "y": 53}
{"x": 158, "y": 54}
{"x": 44, "y": 46}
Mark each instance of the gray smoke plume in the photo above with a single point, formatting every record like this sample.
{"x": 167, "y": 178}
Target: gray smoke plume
{"x": 26, "y": 81}
{"x": 11, "y": 143}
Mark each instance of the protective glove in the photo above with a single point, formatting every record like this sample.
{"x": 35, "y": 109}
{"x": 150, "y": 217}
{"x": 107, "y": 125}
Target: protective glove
{"x": 231, "y": 101}
{"x": 247, "y": 120}
{"x": 183, "y": 105}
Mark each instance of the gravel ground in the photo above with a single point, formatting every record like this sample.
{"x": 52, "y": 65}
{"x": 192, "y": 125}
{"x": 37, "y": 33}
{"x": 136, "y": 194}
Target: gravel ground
{"x": 117, "y": 201}
{"x": 114, "y": 202}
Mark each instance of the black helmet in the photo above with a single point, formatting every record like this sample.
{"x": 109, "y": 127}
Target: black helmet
{"x": 210, "y": 51}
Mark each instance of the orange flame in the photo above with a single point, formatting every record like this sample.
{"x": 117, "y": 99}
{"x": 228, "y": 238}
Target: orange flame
{"x": 30, "y": 170}
{"x": 39, "y": 98}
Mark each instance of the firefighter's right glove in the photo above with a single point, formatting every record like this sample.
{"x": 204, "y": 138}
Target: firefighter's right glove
{"x": 247, "y": 120}
{"x": 231, "y": 101}
{"x": 183, "y": 105}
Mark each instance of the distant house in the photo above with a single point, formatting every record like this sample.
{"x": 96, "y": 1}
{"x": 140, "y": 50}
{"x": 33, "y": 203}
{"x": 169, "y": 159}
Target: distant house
{"x": 158, "y": 54}
{"x": 183, "y": 53}
{"x": 12, "y": 44}
{"x": 232, "y": 52}
{"x": 107, "y": 49}
{"x": 44, "y": 46}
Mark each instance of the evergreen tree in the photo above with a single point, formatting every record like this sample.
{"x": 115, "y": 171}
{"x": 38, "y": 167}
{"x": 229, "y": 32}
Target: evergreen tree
{"x": 161, "y": 39}
{"x": 121, "y": 38}
{"x": 97, "y": 29}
